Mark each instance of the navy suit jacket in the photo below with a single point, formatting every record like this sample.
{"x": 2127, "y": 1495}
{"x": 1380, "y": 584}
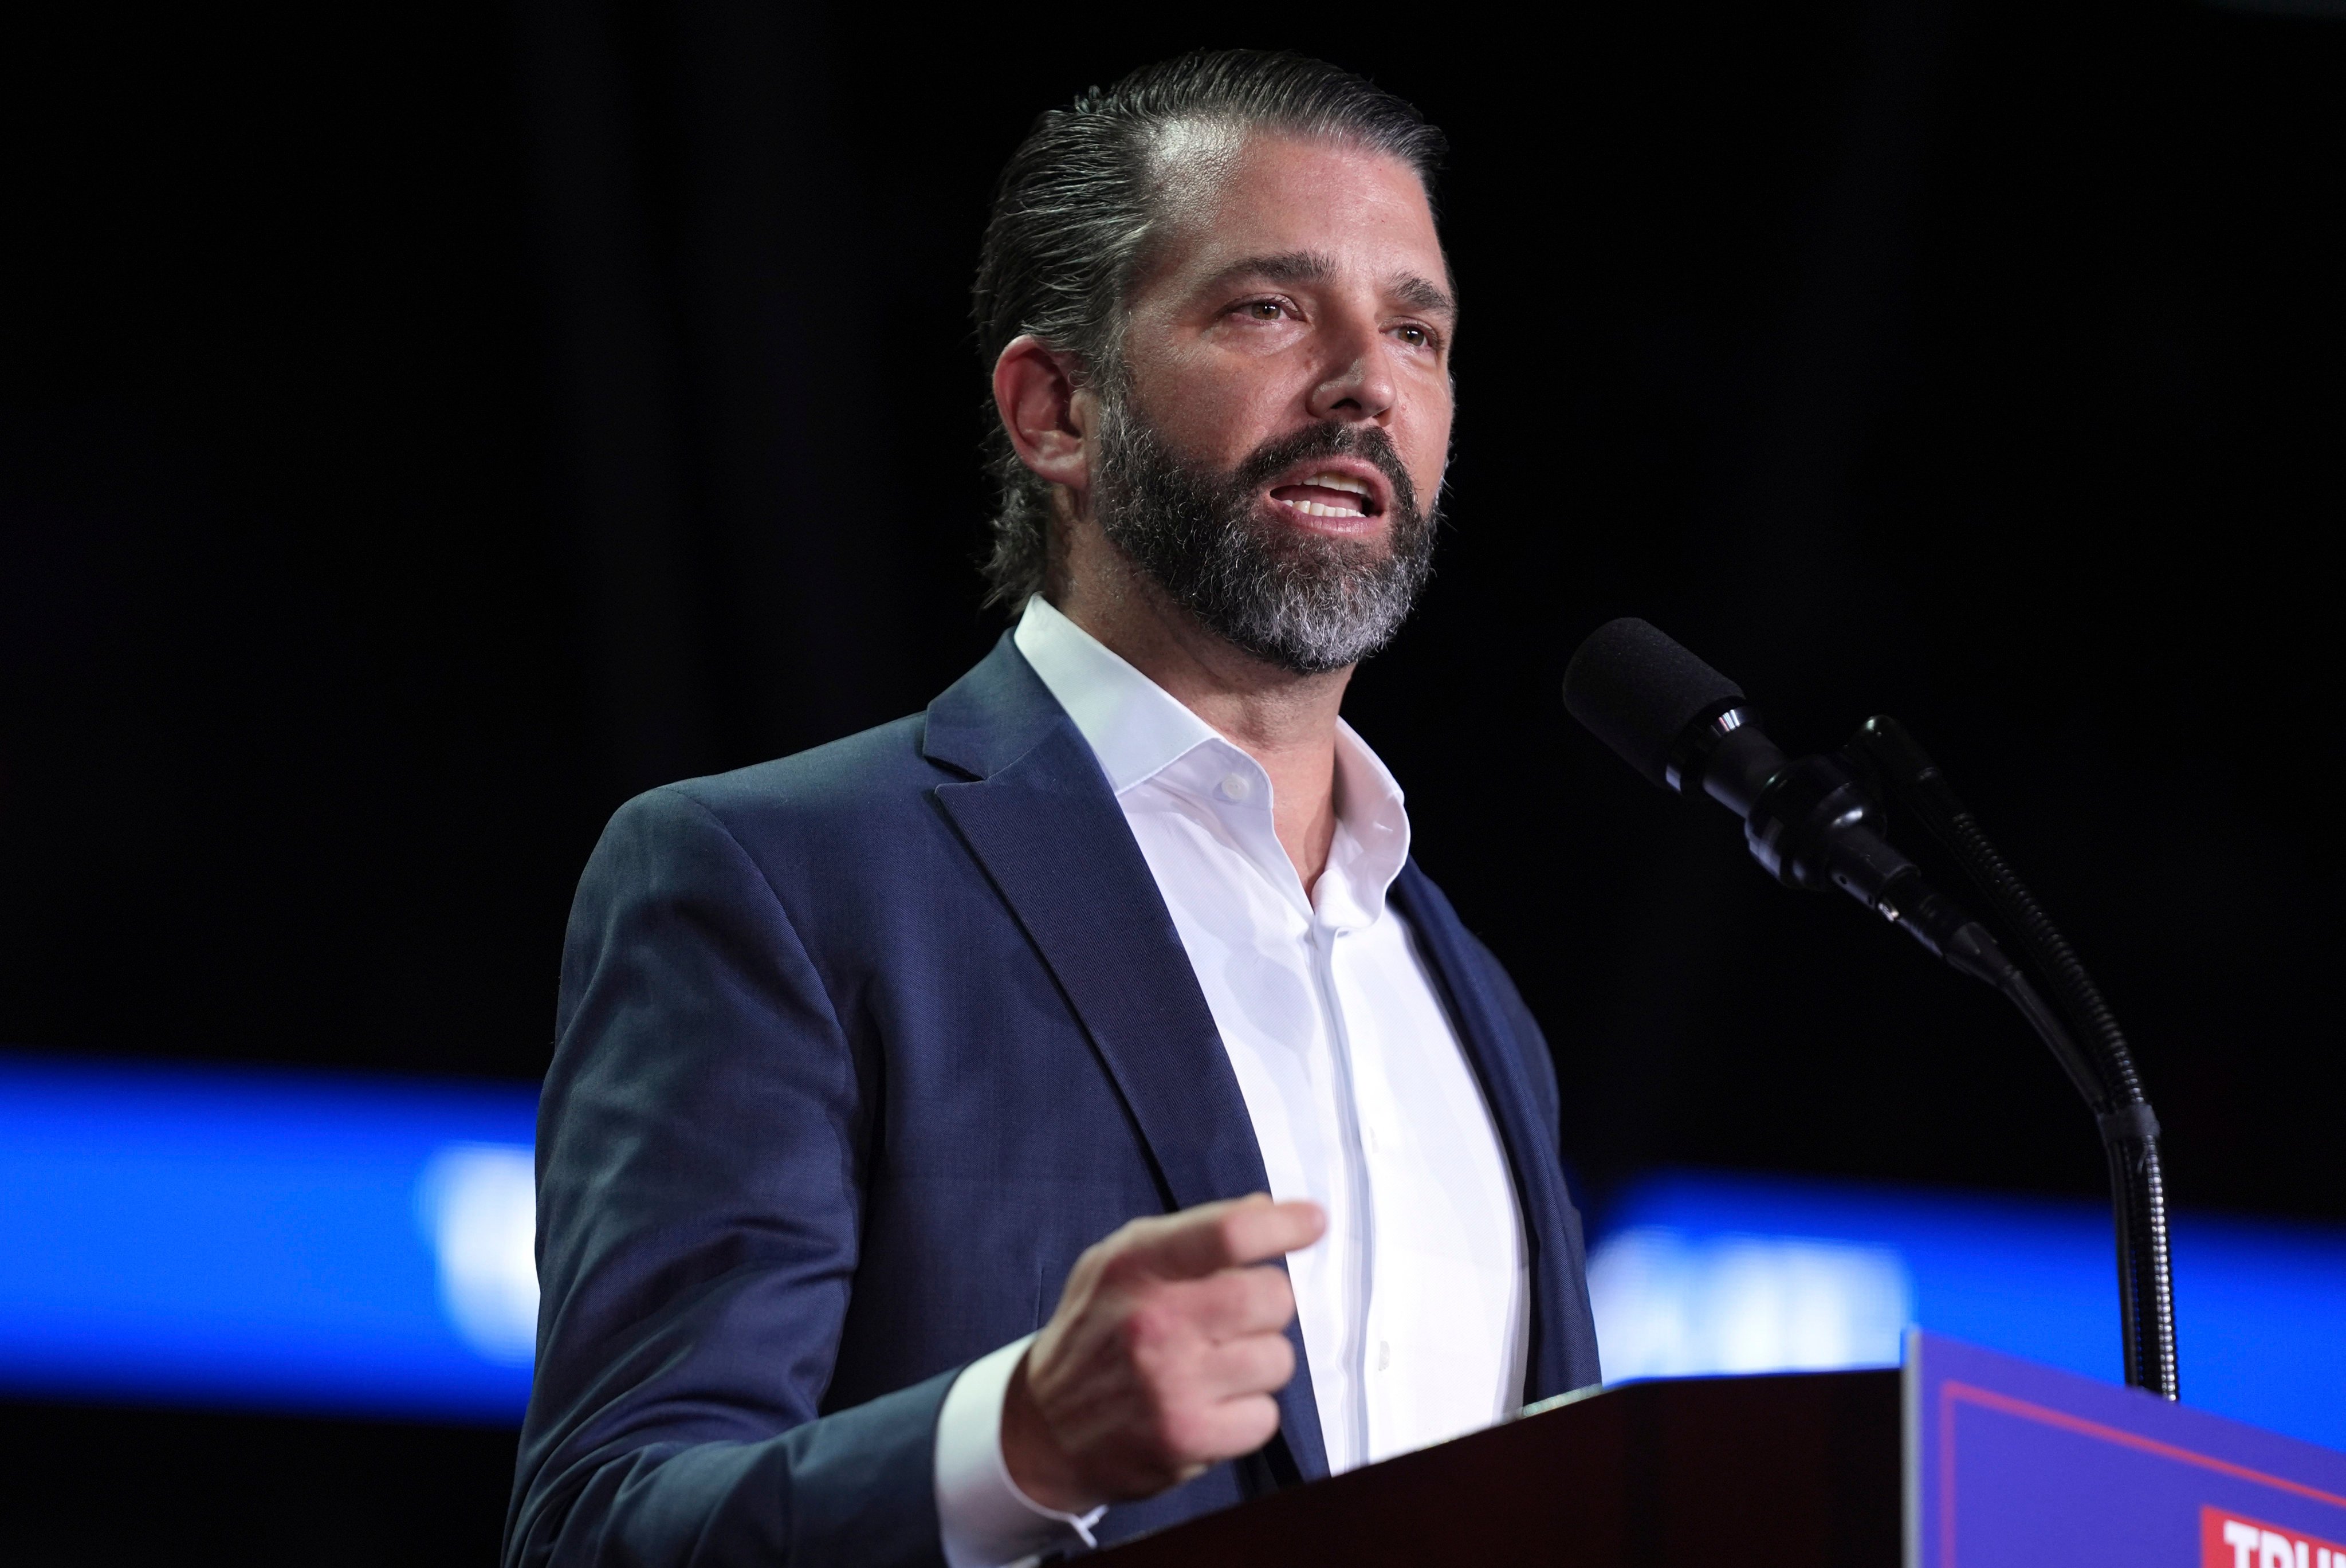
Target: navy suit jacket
{"x": 856, "y": 1052}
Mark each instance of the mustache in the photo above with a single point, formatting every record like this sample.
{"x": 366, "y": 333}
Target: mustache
{"x": 1323, "y": 439}
{"x": 1304, "y": 604}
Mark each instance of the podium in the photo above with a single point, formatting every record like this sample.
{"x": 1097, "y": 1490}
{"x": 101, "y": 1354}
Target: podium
{"x": 1962, "y": 1458}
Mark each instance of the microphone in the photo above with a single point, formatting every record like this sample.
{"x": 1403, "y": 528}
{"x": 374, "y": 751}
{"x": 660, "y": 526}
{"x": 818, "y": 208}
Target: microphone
{"x": 1812, "y": 823}
{"x": 1816, "y": 822}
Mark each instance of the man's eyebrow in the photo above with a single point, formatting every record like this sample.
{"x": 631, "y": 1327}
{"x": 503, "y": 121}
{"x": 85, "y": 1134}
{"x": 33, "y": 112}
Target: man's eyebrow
{"x": 1313, "y": 267}
{"x": 1419, "y": 294}
{"x": 1287, "y": 267}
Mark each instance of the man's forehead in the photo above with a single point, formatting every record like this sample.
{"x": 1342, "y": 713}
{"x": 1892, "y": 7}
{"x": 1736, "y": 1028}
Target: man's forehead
{"x": 1298, "y": 210}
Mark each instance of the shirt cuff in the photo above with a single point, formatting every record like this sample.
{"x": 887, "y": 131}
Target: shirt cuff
{"x": 983, "y": 1521}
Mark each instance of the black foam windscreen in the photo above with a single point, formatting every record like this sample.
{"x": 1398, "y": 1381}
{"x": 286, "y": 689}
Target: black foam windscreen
{"x": 1638, "y": 692}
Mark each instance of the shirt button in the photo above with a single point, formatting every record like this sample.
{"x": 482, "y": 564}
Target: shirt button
{"x": 1237, "y": 787}
{"x": 1384, "y": 1354}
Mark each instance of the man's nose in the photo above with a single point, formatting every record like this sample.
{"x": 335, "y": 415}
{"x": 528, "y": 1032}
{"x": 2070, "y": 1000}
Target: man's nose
{"x": 1361, "y": 385}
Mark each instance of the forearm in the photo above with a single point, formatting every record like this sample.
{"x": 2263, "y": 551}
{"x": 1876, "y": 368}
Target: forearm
{"x": 857, "y": 1485}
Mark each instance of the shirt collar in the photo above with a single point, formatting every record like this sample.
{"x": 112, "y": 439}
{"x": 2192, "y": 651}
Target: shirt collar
{"x": 1138, "y": 731}
{"x": 1134, "y": 727}
{"x": 1372, "y": 835}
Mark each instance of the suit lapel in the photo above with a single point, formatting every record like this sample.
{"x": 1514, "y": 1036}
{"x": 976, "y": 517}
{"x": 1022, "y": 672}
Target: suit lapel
{"x": 1531, "y": 1158}
{"x": 1041, "y": 819}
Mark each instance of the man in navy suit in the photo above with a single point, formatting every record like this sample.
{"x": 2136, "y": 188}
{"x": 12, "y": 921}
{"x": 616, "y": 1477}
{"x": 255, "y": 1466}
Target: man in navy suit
{"x": 1069, "y": 1110}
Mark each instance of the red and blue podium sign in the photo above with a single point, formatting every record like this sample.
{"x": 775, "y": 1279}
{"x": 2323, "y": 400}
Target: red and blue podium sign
{"x": 2009, "y": 1463}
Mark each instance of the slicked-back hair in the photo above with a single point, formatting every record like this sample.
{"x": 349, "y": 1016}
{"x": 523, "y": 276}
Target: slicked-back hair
{"x": 1078, "y": 207}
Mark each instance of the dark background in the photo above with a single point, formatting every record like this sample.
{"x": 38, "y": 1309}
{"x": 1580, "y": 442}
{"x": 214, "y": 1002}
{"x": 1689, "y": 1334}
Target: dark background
{"x": 423, "y": 426}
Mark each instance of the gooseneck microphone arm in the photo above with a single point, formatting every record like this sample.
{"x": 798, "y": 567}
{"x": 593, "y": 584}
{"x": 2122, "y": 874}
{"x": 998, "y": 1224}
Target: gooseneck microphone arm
{"x": 1816, "y": 822}
{"x": 2128, "y": 1127}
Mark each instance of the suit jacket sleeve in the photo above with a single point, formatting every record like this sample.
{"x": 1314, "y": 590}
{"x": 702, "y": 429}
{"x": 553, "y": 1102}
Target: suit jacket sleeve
{"x": 700, "y": 1138}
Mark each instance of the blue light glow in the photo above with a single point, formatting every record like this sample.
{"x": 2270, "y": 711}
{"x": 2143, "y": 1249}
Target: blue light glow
{"x": 347, "y": 1245}
{"x": 1712, "y": 1273}
{"x": 264, "y": 1240}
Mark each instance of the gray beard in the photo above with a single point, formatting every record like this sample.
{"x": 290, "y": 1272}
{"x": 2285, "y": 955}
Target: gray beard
{"x": 1301, "y": 602}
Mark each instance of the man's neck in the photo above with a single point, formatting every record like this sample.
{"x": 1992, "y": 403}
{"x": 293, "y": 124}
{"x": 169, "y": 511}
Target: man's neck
{"x": 1285, "y": 721}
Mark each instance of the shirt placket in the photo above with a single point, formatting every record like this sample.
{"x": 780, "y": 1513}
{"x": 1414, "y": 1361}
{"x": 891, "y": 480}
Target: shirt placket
{"x": 1385, "y": 1160}
{"x": 1360, "y": 1315}
{"x": 1241, "y": 799}
{"x": 1231, "y": 788}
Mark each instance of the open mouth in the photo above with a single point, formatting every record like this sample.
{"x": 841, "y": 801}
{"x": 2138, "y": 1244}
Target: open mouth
{"x": 1330, "y": 495}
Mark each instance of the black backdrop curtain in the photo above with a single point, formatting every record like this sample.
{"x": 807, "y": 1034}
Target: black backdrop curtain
{"x": 422, "y": 427}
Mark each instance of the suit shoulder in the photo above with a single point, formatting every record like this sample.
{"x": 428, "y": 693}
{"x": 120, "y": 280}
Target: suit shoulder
{"x": 875, "y": 774}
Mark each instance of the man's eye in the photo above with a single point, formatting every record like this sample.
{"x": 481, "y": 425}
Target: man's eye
{"x": 1417, "y": 337}
{"x": 1263, "y": 310}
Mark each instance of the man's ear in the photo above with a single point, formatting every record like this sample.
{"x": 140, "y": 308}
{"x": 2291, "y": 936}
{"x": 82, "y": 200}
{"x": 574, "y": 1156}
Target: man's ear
{"x": 1050, "y": 422}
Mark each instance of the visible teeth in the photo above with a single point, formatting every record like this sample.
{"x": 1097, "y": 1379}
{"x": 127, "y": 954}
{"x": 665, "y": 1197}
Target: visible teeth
{"x": 1314, "y": 509}
{"x": 1338, "y": 482}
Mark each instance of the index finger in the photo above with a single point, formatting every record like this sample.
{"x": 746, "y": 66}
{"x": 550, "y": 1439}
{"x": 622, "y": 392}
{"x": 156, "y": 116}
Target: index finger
{"x": 1230, "y": 1234}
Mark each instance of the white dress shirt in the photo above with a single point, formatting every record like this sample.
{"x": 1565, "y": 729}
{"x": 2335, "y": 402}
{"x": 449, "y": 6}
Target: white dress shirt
{"x": 1412, "y": 1307}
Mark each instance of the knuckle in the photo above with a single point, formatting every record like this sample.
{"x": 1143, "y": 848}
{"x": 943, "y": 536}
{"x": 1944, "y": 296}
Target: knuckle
{"x": 1180, "y": 1433}
{"x": 1223, "y": 1295}
{"x": 1145, "y": 1328}
{"x": 1132, "y": 1232}
{"x": 1128, "y": 1257}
